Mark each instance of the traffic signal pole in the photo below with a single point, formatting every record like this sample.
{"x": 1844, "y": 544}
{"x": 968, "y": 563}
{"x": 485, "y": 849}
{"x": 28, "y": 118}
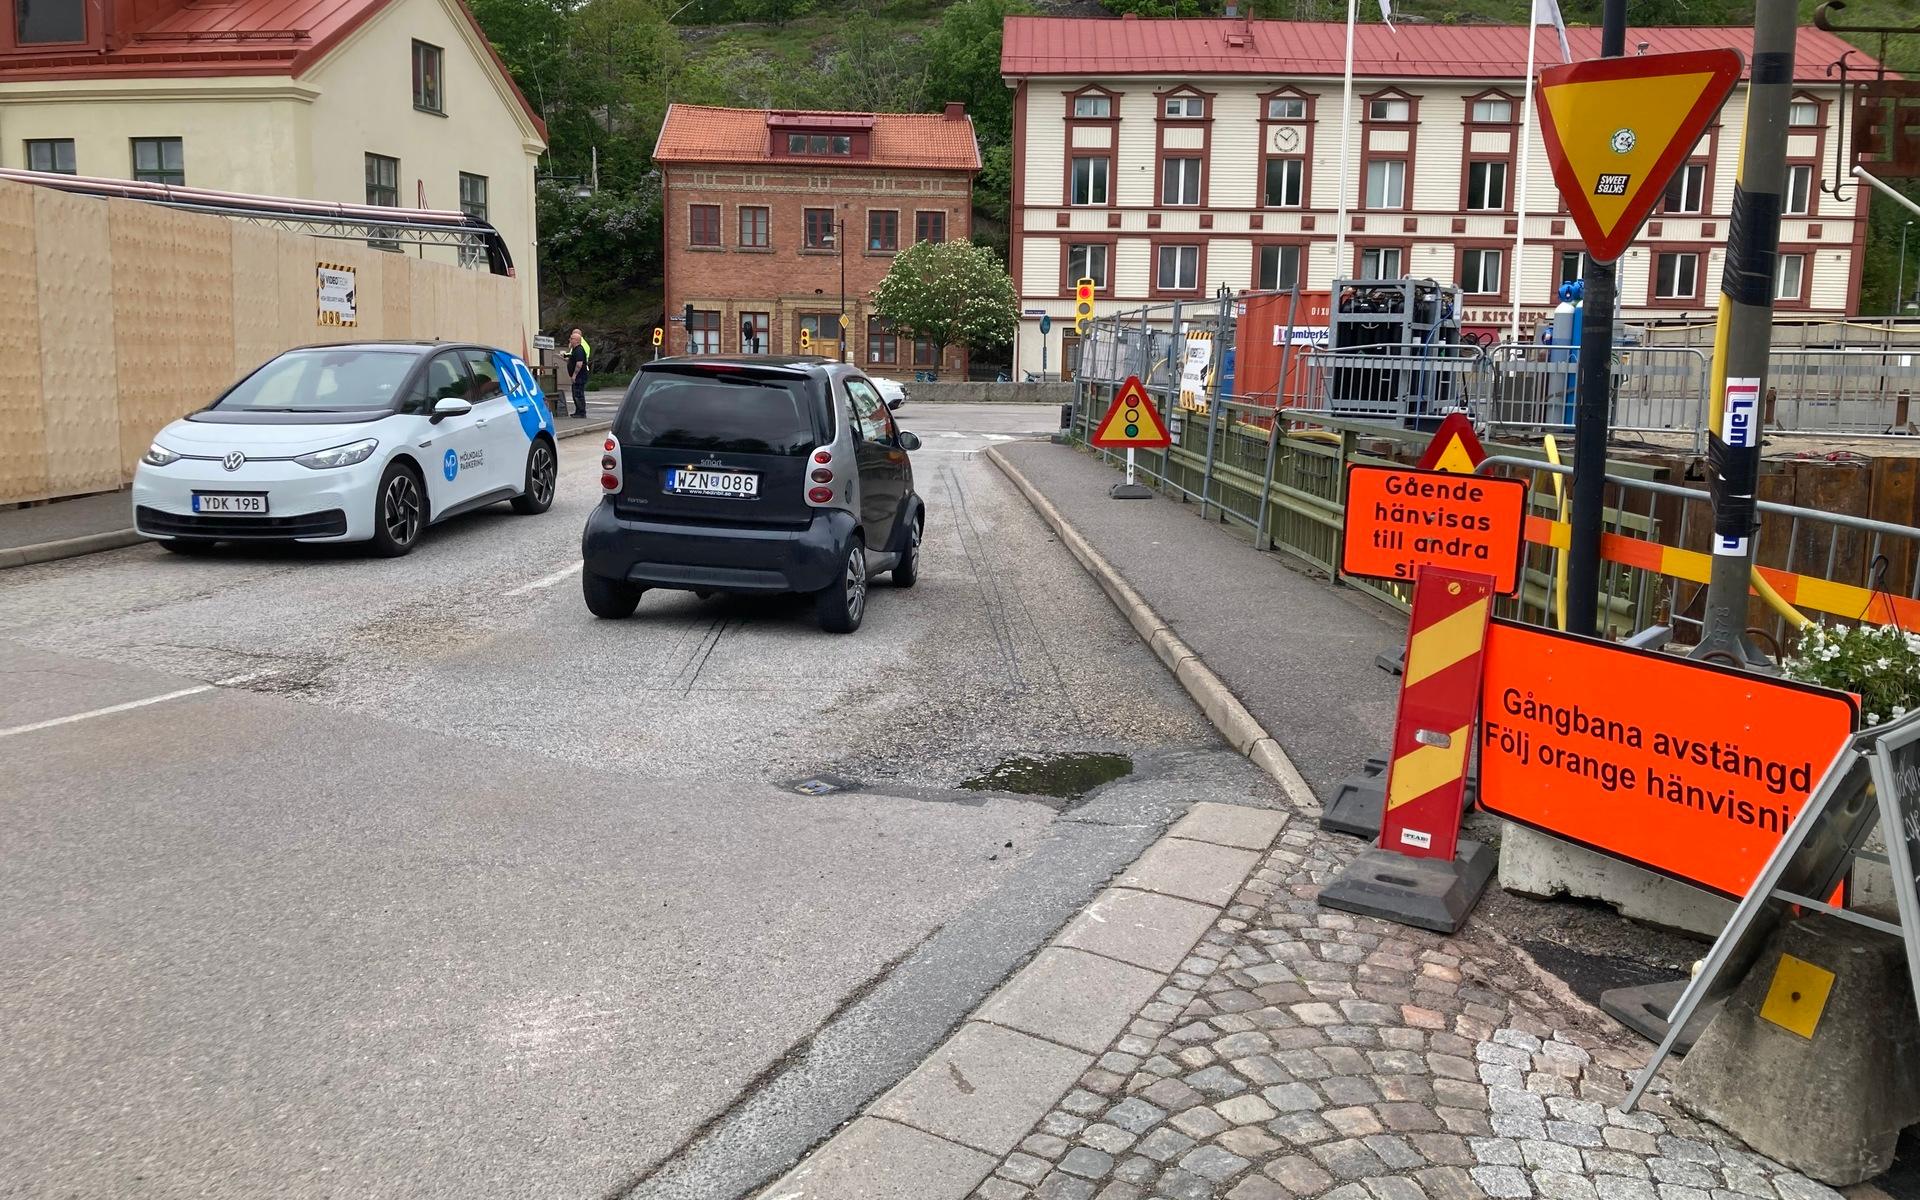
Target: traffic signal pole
{"x": 1595, "y": 376}
{"x": 1744, "y": 335}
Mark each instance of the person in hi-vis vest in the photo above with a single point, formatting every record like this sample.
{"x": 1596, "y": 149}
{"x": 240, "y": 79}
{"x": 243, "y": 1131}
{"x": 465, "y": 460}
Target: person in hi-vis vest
{"x": 579, "y": 356}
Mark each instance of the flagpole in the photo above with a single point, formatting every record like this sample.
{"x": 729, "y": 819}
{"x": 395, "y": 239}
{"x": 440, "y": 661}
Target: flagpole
{"x": 1526, "y": 155}
{"x": 1346, "y": 139}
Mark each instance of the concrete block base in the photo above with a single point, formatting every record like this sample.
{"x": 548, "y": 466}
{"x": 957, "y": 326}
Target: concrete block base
{"x": 1831, "y": 1105}
{"x": 1537, "y": 864}
{"x": 1427, "y": 893}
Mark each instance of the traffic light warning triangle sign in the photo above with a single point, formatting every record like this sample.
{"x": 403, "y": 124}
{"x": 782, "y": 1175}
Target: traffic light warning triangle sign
{"x": 1617, "y": 128}
{"x": 1131, "y": 420}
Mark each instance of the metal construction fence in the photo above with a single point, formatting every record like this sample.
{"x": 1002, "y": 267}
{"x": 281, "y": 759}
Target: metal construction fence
{"x": 1284, "y": 483}
{"x": 1856, "y": 392}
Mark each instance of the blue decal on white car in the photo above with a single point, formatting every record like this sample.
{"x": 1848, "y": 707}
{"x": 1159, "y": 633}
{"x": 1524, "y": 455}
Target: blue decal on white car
{"x": 523, "y": 390}
{"x": 450, "y": 465}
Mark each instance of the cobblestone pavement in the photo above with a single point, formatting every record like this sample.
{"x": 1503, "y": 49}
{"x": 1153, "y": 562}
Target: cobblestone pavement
{"x": 1300, "y": 1052}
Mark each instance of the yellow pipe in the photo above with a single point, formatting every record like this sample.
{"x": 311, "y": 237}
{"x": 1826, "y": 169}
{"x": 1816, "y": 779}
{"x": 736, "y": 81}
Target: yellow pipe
{"x": 1778, "y": 603}
{"x": 1560, "y": 556}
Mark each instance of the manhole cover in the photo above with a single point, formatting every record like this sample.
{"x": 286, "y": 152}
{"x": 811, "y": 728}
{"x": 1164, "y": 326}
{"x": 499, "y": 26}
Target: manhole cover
{"x": 820, "y": 785}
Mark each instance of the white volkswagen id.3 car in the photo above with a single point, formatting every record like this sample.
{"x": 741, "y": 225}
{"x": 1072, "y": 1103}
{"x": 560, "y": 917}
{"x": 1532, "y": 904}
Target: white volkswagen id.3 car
{"x": 354, "y": 442}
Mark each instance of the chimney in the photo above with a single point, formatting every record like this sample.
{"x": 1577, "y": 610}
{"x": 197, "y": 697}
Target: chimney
{"x": 1231, "y": 11}
{"x": 956, "y": 110}
{"x": 1128, "y": 16}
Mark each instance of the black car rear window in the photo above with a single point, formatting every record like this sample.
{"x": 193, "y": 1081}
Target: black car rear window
{"x": 737, "y": 413}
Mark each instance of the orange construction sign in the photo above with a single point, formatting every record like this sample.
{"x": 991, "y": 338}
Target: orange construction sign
{"x": 1616, "y": 128}
{"x": 1455, "y": 447}
{"x": 1400, "y": 519}
{"x": 1131, "y": 421}
{"x": 1685, "y": 768}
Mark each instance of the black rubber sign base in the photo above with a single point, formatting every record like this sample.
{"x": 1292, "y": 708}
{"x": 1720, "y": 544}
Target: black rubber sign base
{"x": 1427, "y": 893}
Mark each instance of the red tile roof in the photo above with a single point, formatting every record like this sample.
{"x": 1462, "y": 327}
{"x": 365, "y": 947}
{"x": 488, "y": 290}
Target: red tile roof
{"x": 1103, "y": 46}
{"x": 696, "y": 133}
{"x": 216, "y": 38}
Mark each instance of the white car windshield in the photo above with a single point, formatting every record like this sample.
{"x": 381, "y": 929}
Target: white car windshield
{"x": 323, "y": 380}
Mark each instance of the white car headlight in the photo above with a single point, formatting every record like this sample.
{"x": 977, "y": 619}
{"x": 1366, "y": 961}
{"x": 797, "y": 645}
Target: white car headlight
{"x": 158, "y": 456}
{"x": 338, "y": 456}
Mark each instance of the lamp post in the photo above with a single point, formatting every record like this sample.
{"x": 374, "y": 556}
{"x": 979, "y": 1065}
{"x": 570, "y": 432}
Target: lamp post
{"x": 1900, "y": 281}
{"x": 840, "y": 243}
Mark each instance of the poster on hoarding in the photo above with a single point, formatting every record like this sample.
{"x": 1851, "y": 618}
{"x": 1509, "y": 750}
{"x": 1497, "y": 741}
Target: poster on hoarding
{"x": 1195, "y": 371}
{"x": 336, "y": 286}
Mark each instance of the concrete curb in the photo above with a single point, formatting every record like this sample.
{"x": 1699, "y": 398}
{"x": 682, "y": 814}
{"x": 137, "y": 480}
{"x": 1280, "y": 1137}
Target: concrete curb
{"x": 116, "y": 539}
{"x": 938, "y": 1132}
{"x": 74, "y": 547}
{"x": 1238, "y": 726}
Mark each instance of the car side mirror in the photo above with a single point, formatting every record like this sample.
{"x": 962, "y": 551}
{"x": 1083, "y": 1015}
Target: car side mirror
{"x": 450, "y": 406}
{"x": 909, "y": 440}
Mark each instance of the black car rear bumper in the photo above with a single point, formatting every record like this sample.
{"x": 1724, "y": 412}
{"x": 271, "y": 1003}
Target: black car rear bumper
{"x": 716, "y": 558}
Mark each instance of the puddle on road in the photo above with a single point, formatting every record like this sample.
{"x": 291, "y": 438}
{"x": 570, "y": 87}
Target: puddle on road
{"x": 1066, "y": 776}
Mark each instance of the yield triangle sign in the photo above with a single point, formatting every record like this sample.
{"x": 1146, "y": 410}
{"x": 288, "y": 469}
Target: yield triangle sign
{"x": 1131, "y": 420}
{"x": 1616, "y": 129}
{"x": 1455, "y": 447}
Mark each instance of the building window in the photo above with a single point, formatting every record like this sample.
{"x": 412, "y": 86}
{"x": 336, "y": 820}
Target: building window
{"x": 703, "y": 335}
{"x": 1279, "y": 268}
{"x": 819, "y": 143}
{"x": 473, "y": 202}
{"x": 51, "y": 154}
{"x": 754, "y": 333}
{"x": 427, "y": 91}
{"x": 1286, "y": 108}
{"x": 1178, "y": 269}
{"x": 1480, "y": 272}
{"x": 1185, "y": 107}
{"x": 160, "y": 160}
{"x": 883, "y": 229}
{"x": 1180, "y": 181}
{"x": 1687, "y": 190}
{"x": 1803, "y": 112}
{"x": 1088, "y": 262}
{"x": 1380, "y": 262}
{"x": 1676, "y": 276}
{"x": 703, "y": 225}
{"x": 820, "y": 327}
{"x": 1089, "y": 181}
{"x": 1494, "y": 111}
{"x": 818, "y": 228}
{"x": 1573, "y": 266}
{"x": 925, "y": 353}
{"x": 883, "y": 345}
{"x": 1389, "y": 109}
{"x": 1285, "y": 179}
{"x": 1387, "y": 183}
{"x": 1486, "y": 186}
{"x": 1097, "y": 108}
{"x": 1799, "y": 196}
{"x": 1788, "y": 276}
{"x": 930, "y": 227}
{"x": 756, "y": 227}
{"x": 383, "y": 181}
{"x": 49, "y": 22}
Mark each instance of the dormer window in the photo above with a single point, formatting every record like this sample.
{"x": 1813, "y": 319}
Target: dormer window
{"x": 49, "y": 22}
{"x": 1186, "y": 107}
{"x": 1094, "y": 107}
{"x": 819, "y": 143}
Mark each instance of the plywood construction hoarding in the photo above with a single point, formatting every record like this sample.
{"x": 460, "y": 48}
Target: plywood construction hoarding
{"x": 120, "y": 316}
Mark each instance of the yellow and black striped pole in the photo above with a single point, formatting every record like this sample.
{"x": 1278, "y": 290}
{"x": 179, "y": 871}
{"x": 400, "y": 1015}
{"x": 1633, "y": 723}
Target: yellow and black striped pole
{"x": 1744, "y": 334}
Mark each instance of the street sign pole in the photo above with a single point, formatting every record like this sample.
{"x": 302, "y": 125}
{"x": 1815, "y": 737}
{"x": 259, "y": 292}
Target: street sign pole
{"x": 1743, "y": 335}
{"x": 1590, "y": 416}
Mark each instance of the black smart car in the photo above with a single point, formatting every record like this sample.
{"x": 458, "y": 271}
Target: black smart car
{"x": 753, "y": 474}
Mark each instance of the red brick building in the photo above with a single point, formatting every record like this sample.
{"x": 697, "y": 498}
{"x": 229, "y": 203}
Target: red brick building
{"x": 755, "y": 202}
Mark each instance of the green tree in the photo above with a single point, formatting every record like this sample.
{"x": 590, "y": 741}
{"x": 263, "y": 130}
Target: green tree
{"x": 598, "y": 247}
{"x": 963, "y": 63}
{"x": 951, "y": 294}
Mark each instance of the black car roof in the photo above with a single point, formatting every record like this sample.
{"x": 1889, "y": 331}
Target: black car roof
{"x": 745, "y": 360}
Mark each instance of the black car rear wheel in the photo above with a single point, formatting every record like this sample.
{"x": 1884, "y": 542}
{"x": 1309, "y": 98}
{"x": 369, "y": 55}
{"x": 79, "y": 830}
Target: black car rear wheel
{"x": 609, "y": 599}
{"x": 842, "y": 603}
{"x": 907, "y": 572}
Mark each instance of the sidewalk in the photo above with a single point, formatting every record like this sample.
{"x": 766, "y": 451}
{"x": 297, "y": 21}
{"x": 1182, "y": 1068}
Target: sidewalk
{"x": 1207, "y": 1032}
{"x": 80, "y": 525}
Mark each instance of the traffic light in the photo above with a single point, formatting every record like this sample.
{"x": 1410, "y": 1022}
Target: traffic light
{"x": 1082, "y": 304}
{"x": 659, "y": 335}
{"x": 748, "y": 345}
{"x": 686, "y": 318}
{"x": 806, "y": 340}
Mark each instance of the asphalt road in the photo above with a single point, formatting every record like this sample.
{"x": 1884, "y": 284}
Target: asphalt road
{"x": 429, "y": 884}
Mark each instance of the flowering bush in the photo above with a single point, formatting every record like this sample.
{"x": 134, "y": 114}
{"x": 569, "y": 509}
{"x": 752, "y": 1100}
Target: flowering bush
{"x": 1881, "y": 663}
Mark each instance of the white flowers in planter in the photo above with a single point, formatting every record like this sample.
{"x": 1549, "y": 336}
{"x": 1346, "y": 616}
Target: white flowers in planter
{"x": 1879, "y": 663}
